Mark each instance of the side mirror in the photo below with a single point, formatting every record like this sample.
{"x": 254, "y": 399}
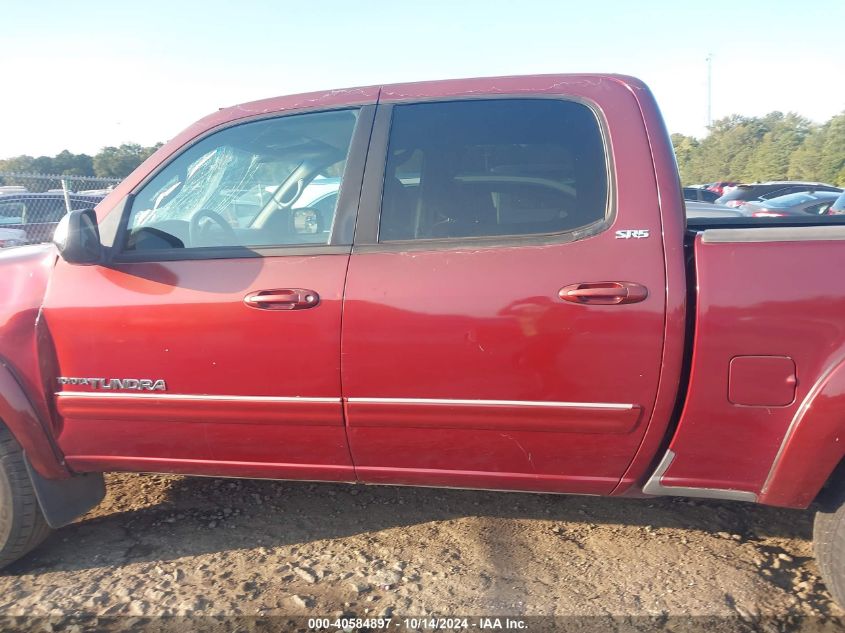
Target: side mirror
{"x": 78, "y": 238}
{"x": 306, "y": 221}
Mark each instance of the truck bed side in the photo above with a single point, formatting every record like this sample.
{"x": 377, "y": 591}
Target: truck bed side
{"x": 769, "y": 336}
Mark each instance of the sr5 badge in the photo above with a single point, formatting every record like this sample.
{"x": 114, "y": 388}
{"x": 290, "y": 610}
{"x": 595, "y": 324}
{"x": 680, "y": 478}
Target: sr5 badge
{"x": 627, "y": 234}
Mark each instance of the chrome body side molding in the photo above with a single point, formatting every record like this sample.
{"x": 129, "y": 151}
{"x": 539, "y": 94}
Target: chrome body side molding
{"x": 495, "y": 403}
{"x": 179, "y": 396}
{"x": 431, "y": 401}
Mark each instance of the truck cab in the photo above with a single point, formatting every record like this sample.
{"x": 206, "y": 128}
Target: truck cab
{"x": 484, "y": 306}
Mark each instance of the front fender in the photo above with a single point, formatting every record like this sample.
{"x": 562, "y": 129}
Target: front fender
{"x": 24, "y": 406}
{"x": 813, "y": 445}
{"x": 19, "y": 416}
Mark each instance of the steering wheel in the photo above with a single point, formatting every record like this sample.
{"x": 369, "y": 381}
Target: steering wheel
{"x": 198, "y": 231}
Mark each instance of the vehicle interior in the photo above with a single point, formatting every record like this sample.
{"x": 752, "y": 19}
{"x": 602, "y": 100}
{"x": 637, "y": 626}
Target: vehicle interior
{"x": 246, "y": 186}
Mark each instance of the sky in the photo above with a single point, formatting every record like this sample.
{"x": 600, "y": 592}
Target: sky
{"x": 86, "y": 74}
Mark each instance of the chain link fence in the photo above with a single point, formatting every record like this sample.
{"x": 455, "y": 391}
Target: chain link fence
{"x": 31, "y": 205}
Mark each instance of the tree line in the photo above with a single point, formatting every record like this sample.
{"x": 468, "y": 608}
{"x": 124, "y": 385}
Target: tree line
{"x": 110, "y": 162}
{"x": 777, "y": 146}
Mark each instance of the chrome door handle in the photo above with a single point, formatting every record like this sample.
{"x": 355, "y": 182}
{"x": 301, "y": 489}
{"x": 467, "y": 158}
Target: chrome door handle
{"x": 283, "y": 299}
{"x": 604, "y": 292}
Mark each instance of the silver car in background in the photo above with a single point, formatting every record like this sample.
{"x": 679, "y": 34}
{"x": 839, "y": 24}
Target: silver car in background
{"x": 701, "y": 210}
{"x": 805, "y": 203}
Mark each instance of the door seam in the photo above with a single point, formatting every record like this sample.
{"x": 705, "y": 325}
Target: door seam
{"x": 343, "y": 398}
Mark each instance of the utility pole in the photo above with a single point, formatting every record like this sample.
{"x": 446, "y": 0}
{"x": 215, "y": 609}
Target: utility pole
{"x": 709, "y": 89}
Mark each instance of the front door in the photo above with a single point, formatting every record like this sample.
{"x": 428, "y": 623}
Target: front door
{"x": 211, "y": 343}
{"x": 496, "y": 333}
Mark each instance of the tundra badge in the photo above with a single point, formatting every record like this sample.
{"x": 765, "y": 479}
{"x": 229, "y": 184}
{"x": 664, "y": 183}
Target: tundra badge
{"x": 133, "y": 384}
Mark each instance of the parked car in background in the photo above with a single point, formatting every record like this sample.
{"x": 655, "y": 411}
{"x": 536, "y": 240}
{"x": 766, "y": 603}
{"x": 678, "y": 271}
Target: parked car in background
{"x": 36, "y": 214}
{"x": 698, "y": 194}
{"x": 719, "y": 187}
{"x": 319, "y": 196}
{"x": 801, "y": 203}
{"x": 697, "y": 210}
{"x": 771, "y": 189}
{"x": 12, "y": 237}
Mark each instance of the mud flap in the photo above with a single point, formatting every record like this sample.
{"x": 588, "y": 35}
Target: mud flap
{"x": 63, "y": 500}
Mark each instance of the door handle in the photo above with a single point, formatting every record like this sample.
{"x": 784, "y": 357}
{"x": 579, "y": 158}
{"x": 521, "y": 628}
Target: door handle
{"x": 282, "y": 299}
{"x": 604, "y": 292}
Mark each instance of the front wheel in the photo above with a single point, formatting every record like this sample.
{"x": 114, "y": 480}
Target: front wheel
{"x": 22, "y": 525}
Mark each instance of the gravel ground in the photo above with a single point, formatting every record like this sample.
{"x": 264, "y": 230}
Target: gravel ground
{"x": 167, "y": 545}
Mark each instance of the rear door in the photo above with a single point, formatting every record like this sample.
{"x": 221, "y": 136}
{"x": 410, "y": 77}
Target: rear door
{"x": 504, "y": 311}
{"x": 211, "y": 343}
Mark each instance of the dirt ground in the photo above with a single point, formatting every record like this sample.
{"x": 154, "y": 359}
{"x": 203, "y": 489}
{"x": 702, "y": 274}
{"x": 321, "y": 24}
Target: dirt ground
{"x": 171, "y": 546}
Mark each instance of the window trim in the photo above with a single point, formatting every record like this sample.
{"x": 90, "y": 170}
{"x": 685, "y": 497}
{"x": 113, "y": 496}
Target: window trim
{"x": 369, "y": 213}
{"x": 345, "y": 213}
{"x": 229, "y": 252}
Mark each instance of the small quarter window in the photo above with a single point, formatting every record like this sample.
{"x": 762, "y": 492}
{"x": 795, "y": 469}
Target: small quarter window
{"x": 508, "y": 167}
{"x": 266, "y": 183}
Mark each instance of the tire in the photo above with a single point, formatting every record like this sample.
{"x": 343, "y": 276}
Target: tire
{"x": 22, "y": 525}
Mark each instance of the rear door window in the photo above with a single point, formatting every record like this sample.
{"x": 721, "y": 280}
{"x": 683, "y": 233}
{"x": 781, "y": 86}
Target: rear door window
{"x": 509, "y": 167}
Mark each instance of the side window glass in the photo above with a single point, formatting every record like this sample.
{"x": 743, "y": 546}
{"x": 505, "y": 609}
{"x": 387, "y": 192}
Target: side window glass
{"x": 777, "y": 193}
{"x": 83, "y": 204}
{"x": 11, "y": 212}
{"x": 265, "y": 183}
{"x": 484, "y": 168}
{"x": 45, "y": 210}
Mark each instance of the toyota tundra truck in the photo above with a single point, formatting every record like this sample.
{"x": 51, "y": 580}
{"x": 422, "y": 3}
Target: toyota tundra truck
{"x": 484, "y": 283}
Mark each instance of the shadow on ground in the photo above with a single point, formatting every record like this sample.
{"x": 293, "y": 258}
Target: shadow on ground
{"x": 186, "y": 516}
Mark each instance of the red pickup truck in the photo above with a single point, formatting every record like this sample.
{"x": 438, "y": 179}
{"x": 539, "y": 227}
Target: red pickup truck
{"x": 484, "y": 283}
